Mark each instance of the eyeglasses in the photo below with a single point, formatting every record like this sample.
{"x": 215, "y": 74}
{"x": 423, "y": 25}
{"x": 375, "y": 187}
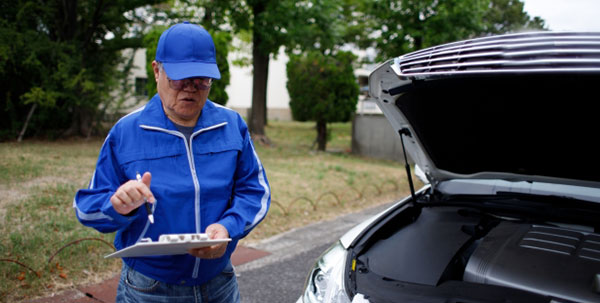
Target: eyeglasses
{"x": 199, "y": 83}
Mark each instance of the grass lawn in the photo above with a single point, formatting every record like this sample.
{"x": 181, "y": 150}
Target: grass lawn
{"x": 43, "y": 248}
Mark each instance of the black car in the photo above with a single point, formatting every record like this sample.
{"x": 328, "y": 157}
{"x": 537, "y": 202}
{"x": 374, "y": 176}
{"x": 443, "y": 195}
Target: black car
{"x": 505, "y": 130}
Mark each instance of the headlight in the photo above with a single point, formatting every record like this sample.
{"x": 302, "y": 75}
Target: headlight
{"x": 326, "y": 281}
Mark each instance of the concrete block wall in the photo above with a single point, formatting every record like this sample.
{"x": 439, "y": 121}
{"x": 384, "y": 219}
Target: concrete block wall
{"x": 373, "y": 136}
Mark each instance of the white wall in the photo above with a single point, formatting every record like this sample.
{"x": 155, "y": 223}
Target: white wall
{"x": 139, "y": 64}
{"x": 138, "y": 70}
{"x": 240, "y": 86}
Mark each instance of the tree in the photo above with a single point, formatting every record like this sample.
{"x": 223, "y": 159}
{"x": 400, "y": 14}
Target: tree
{"x": 210, "y": 14}
{"x": 221, "y": 40}
{"x": 504, "y": 16}
{"x": 295, "y": 25}
{"x": 322, "y": 88}
{"x": 150, "y": 43}
{"x": 269, "y": 21}
{"x": 397, "y": 27}
{"x": 59, "y": 59}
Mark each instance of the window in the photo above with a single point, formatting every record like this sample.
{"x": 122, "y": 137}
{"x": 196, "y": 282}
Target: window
{"x": 140, "y": 87}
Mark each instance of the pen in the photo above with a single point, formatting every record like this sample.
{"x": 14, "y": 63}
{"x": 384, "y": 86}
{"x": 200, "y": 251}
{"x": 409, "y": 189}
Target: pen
{"x": 148, "y": 207}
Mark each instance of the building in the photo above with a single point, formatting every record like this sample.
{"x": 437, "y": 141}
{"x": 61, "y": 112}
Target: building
{"x": 240, "y": 87}
{"x": 371, "y": 133}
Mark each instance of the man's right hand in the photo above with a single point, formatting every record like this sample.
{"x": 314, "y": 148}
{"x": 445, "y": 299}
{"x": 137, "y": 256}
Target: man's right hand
{"x": 130, "y": 195}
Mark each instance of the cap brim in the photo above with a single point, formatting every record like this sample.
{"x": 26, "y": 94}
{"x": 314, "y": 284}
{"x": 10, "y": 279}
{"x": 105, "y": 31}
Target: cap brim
{"x": 178, "y": 71}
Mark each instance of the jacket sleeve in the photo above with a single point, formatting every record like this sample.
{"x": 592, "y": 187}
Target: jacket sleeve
{"x": 92, "y": 205}
{"x": 251, "y": 194}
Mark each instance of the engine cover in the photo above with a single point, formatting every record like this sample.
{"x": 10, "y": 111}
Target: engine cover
{"x": 556, "y": 262}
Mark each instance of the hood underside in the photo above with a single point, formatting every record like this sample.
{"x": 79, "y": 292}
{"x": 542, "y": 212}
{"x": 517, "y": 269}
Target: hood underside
{"x": 526, "y": 125}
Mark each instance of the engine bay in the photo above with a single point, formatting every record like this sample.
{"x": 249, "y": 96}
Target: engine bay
{"x": 471, "y": 254}
{"x": 548, "y": 260}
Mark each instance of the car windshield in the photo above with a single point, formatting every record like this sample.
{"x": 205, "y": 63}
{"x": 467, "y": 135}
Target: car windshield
{"x": 493, "y": 187}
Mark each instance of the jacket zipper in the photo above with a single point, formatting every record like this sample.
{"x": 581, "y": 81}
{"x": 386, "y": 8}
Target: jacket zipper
{"x": 190, "y": 156}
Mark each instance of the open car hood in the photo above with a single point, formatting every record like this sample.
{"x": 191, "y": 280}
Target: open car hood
{"x": 521, "y": 107}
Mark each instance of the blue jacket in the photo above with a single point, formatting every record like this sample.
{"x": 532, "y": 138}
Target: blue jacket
{"x": 219, "y": 179}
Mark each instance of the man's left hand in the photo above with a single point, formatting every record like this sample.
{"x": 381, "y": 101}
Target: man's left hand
{"x": 214, "y": 231}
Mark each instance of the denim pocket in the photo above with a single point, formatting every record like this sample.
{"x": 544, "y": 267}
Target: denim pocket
{"x": 222, "y": 288}
{"x": 228, "y": 270}
{"x": 140, "y": 282}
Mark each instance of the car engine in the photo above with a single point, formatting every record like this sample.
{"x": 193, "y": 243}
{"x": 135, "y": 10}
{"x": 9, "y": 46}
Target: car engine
{"x": 553, "y": 261}
{"x": 434, "y": 246}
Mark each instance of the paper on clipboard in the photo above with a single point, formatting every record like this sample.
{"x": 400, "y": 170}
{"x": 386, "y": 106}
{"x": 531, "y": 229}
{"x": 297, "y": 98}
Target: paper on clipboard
{"x": 171, "y": 244}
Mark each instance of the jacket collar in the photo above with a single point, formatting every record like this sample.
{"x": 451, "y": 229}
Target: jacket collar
{"x": 154, "y": 115}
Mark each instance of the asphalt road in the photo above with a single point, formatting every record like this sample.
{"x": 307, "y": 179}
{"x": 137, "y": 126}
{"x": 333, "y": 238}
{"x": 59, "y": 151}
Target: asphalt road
{"x": 280, "y": 277}
{"x": 281, "y": 281}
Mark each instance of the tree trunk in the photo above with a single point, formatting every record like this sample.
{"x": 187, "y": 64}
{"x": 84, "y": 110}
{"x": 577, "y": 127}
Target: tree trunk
{"x": 321, "y": 135}
{"x": 86, "y": 120}
{"x": 22, "y": 133}
{"x": 260, "y": 63}
{"x": 81, "y": 122}
{"x": 260, "y": 74}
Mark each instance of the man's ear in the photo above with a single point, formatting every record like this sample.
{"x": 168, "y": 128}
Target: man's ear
{"x": 156, "y": 70}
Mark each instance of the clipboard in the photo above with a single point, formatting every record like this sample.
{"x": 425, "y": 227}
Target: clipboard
{"x": 170, "y": 244}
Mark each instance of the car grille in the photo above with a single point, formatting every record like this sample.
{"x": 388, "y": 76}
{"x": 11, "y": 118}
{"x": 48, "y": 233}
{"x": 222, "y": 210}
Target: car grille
{"x": 514, "y": 53}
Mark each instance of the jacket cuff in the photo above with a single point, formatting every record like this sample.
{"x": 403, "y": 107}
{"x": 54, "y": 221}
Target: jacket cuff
{"x": 117, "y": 217}
{"x": 232, "y": 227}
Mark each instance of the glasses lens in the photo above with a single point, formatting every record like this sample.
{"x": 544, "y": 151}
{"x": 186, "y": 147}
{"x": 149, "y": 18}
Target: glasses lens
{"x": 176, "y": 84}
{"x": 197, "y": 83}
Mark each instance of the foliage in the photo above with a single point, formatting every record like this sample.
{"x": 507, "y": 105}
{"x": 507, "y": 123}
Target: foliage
{"x": 322, "y": 88}
{"x": 311, "y": 24}
{"x": 392, "y": 27}
{"x": 208, "y": 14}
{"x": 62, "y": 56}
{"x": 297, "y": 25}
{"x": 217, "y": 91}
{"x": 397, "y": 27}
{"x": 504, "y": 16}
{"x": 150, "y": 43}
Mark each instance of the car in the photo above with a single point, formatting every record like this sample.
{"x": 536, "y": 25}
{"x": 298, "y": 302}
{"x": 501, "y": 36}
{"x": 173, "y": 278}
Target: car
{"x": 504, "y": 129}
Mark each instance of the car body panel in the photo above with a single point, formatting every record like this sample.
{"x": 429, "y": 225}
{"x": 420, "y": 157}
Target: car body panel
{"x": 504, "y": 130}
{"x": 446, "y": 151}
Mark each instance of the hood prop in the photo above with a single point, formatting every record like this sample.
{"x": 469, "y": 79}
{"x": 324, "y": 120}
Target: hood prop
{"x": 406, "y": 132}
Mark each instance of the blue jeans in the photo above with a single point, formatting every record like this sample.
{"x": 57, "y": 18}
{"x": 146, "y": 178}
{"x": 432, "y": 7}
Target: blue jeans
{"x": 135, "y": 287}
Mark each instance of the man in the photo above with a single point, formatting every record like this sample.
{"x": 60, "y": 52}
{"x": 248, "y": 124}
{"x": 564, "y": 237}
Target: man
{"x": 200, "y": 172}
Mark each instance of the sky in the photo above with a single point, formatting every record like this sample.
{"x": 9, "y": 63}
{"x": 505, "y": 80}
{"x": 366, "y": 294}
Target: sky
{"x": 566, "y": 15}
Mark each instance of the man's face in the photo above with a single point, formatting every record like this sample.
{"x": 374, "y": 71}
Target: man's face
{"x": 181, "y": 106}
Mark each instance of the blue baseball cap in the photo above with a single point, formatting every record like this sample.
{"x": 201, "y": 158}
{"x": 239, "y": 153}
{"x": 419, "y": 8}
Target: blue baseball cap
{"x": 187, "y": 50}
